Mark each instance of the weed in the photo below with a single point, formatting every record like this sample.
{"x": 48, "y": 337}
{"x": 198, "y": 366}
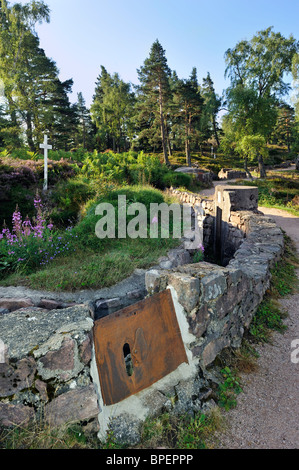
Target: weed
{"x": 229, "y": 389}
{"x": 39, "y": 435}
{"x": 183, "y": 432}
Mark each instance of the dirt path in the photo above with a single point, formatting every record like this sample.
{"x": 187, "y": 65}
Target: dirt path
{"x": 267, "y": 412}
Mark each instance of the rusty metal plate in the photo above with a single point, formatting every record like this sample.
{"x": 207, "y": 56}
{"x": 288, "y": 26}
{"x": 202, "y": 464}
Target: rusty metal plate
{"x": 137, "y": 346}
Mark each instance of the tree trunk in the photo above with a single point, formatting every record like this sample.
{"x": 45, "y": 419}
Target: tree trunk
{"x": 84, "y": 134}
{"x": 187, "y": 142}
{"x": 29, "y": 132}
{"x": 215, "y": 131}
{"x": 246, "y": 167}
{"x": 262, "y": 169}
{"x": 168, "y": 141}
{"x": 163, "y": 133}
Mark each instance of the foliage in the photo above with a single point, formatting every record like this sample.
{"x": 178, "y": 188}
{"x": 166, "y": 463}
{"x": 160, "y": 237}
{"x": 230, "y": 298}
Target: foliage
{"x": 19, "y": 180}
{"x": 76, "y": 259}
{"x": 68, "y": 198}
{"x": 229, "y": 389}
{"x": 31, "y": 244}
{"x": 212, "y": 104}
{"x": 256, "y": 69}
{"x": 188, "y": 105}
{"x": 251, "y": 147}
{"x": 278, "y": 191}
{"x": 132, "y": 168}
{"x": 183, "y": 432}
{"x": 35, "y": 98}
{"x": 199, "y": 254}
{"x": 154, "y": 93}
{"x": 268, "y": 317}
{"x": 112, "y": 111}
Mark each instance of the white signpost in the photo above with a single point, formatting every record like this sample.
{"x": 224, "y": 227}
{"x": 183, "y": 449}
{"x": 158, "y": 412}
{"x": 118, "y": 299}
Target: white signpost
{"x": 46, "y": 147}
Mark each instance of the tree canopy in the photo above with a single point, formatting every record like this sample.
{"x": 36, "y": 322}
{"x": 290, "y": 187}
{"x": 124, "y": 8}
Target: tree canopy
{"x": 162, "y": 113}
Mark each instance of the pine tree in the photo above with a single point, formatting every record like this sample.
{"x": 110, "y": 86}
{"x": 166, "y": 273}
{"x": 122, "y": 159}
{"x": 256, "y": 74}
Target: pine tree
{"x": 154, "y": 93}
{"x": 112, "y": 111}
{"x": 189, "y": 105}
{"x": 212, "y": 104}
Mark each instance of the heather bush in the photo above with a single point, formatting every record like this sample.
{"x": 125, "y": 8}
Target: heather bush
{"x": 20, "y": 179}
{"x": 31, "y": 244}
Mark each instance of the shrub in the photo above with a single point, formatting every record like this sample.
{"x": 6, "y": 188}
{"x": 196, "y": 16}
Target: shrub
{"x": 177, "y": 180}
{"x": 31, "y": 244}
{"x": 67, "y": 198}
{"x": 85, "y": 229}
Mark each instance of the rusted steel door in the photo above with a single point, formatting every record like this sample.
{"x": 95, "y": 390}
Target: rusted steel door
{"x": 137, "y": 346}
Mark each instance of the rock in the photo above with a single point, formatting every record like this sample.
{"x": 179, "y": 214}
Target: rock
{"x": 71, "y": 407}
{"x": 202, "y": 319}
{"x": 15, "y": 415}
{"x": 15, "y": 304}
{"x": 4, "y": 311}
{"x": 155, "y": 281}
{"x": 229, "y": 173}
{"x": 49, "y": 304}
{"x": 126, "y": 429}
{"x": 60, "y": 363}
{"x": 136, "y": 294}
{"x": 213, "y": 286}
{"x": 179, "y": 257}
{"x": 166, "y": 264}
{"x": 85, "y": 350}
{"x": 30, "y": 331}
{"x": 14, "y": 379}
{"x": 187, "y": 289}
{"x": 108, "y": 303}
{"x": 212, "y": 349}
{"x": 41, "y": 387}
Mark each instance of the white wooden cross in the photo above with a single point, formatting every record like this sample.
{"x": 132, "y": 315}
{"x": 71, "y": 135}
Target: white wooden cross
{"x": 46, "y": 147}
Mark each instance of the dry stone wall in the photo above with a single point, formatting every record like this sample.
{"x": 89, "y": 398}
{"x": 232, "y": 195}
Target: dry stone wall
{"x": 220, "y": 302}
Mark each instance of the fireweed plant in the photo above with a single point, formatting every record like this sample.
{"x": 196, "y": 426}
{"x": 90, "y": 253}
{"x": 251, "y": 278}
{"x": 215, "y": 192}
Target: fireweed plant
{"x": 32, "y": 244}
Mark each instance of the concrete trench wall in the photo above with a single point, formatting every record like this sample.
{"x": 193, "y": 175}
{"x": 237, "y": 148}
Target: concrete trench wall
{"x": 49, "y": 370}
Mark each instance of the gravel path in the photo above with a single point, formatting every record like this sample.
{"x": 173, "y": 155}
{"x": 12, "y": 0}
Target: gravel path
{"x": 267, "y": 412}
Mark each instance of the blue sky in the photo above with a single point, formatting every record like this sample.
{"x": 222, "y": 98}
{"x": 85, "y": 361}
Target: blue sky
{"x": 83, "y": 35}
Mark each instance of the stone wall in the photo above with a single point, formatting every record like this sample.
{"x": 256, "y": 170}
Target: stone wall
{"x": 46, "y": 373}
{"x": 50, "y": 369}
{"x": 185, "y": 197}
{"x": 219, "y": 302}
{"x": 200, "y": 175}
{"x": 229, "y": 174}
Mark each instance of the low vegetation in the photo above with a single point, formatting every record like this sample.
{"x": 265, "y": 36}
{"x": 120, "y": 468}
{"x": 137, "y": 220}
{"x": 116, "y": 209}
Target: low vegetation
{"x": 34, "y": 254}
{"x": 279, "y": 190}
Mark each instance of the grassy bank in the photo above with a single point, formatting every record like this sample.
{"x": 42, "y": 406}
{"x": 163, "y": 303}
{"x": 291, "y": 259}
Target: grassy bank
{"x": 76, "y": 258}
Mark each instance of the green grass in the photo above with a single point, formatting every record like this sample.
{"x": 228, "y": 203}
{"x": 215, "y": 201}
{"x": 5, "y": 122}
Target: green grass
{"x": 38, "y": 435}
{"x": 183, "y": 432}
{"x": 86, "y": 269}
{"x": 269, "y": 316}
{"x": 85, "y": 261}
{"x": 278, "y": 192}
